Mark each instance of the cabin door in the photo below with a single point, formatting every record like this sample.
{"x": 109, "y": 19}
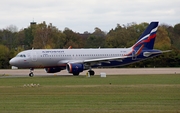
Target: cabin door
{"x": 34, "y": 56}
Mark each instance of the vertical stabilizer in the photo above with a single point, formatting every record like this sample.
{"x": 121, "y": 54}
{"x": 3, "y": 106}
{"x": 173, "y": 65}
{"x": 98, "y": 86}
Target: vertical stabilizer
{"x": 147, "y": 39}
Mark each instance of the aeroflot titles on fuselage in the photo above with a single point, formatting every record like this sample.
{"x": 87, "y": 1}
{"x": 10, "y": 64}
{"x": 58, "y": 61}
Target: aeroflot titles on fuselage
{"x": 55, "y": 53}
{"x": 52, "y": 51}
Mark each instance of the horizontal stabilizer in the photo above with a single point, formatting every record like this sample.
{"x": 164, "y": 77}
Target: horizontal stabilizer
{"x": 147, "y": 54}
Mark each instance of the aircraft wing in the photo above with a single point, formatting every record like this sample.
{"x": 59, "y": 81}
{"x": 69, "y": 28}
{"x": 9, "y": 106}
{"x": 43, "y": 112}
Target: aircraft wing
{"x": 106, "y": 59}
{"x": 99, "y": 60}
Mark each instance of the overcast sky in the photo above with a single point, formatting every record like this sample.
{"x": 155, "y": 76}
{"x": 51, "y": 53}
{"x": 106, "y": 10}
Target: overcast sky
{"x": 85, "y": 15}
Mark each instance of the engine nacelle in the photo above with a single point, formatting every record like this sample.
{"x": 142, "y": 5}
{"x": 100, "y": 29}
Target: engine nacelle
{"x": 53, "y": 70}
{"x": 75, "y": 68}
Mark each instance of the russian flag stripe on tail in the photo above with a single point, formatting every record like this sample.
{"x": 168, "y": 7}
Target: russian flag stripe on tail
{"x": 148, "y": 37}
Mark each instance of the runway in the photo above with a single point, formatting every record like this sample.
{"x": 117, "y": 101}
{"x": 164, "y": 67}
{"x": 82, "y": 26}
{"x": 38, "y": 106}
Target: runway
{"x": 108, "y": 71}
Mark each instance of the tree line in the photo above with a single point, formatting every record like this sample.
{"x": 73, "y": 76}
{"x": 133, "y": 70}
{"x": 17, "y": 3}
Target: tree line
{"x": 47, "y": 36}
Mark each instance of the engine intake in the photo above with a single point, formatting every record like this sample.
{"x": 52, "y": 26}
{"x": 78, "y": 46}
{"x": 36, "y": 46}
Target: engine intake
{"x": 75, "y": 68}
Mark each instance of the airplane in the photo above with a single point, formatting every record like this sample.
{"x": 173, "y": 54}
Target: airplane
{"x": 76, "y": 61}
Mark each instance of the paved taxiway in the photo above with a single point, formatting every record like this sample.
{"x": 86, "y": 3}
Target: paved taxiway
{"x": 108, "y": 71}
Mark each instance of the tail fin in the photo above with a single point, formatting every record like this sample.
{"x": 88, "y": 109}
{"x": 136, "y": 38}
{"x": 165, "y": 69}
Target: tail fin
{"x": 146, "y": 40}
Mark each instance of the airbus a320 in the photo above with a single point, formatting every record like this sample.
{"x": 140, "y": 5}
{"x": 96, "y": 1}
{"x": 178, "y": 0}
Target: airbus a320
{"x": 76, "y": 61}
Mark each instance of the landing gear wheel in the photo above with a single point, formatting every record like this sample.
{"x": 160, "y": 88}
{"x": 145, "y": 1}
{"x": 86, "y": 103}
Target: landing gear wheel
{"x": 91, "y": 72}
{"x": 31, "y": 74}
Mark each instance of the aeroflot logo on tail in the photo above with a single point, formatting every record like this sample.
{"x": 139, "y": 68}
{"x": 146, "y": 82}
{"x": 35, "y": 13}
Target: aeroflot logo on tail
{"x": 148, "y": 37}
{"x": 147, "y": 40}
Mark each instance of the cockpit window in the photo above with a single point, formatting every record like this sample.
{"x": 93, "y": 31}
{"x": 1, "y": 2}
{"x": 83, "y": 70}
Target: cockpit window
{"x": 21, "y": 55}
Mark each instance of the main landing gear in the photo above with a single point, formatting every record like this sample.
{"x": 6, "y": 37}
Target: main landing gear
{"x": 91, "y": 72}
{"x": 31, "y": 74}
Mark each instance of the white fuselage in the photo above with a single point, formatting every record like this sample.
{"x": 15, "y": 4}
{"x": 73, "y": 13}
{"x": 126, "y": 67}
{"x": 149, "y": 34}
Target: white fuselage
{"x": 60, "y": 57}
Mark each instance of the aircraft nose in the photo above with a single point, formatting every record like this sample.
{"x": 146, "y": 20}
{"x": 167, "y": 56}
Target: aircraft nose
{"x": 12, "y": 62}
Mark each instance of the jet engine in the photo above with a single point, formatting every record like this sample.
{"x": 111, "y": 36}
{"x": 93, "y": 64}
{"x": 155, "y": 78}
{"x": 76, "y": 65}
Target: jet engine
{"x": 53, "y": 70}
{"x": 75, "y": 69}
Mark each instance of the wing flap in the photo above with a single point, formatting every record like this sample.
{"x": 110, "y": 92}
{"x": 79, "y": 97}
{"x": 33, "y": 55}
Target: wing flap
{"x": 106, "y": 59}
{"x": 97, "y": 61}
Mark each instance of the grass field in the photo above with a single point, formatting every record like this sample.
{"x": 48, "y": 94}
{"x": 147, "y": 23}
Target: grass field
{"x": 113, "y": 94}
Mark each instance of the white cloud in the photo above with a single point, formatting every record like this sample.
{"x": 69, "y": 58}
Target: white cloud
{"x": 85, "y": 15}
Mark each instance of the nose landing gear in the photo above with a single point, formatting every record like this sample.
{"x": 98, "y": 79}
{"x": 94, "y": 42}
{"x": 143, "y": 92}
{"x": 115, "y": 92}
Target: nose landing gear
{"x": 31, "y": 74}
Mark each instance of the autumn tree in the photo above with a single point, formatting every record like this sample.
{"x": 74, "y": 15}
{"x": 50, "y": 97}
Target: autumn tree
{"x": 58, "y": 38}
{"x": 135, "y": 31}
{"x": 4, "y": 57}
{"x": 19, "y": 40}
{"x": 96, "y": 39}
{"x": 174, "y": 34}
{"x": 7, "y": 37}
{"x": 72, "y": 39}
{"x": 124, "y": 36}
{"x": 29, "y": 37}
{"x": 116, "y": 38}
{"x": 43, "y": 36}
{"x": 162, "y": 41}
